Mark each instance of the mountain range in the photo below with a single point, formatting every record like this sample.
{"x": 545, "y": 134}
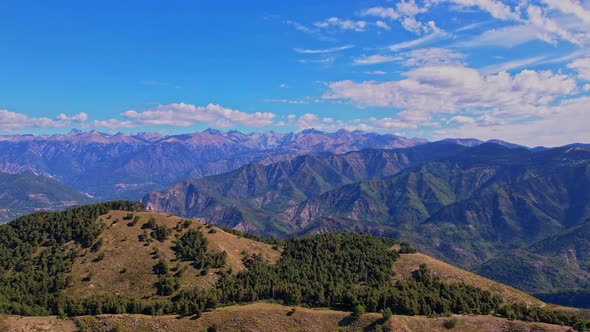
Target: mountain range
{"x": 127, "y": 166}
{"x": 508, "y": 212}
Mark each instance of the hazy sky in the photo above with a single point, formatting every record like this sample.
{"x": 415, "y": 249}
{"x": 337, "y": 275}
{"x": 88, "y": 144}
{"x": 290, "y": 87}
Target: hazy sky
{"x": 517, "y": 70}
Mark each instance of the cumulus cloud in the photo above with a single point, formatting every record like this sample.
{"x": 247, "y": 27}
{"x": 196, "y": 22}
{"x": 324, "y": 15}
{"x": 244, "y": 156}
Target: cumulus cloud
{"x": 114, "y": 124}
{"x": 404, "y": 13}
{"x": 461, "y": 120}
{"x": 570, "y": 114}
{"x": 550, "y": 21}
{"x": 582, "y": 66}
{"x": 382, "y": 12}
{"x": 185, "y": 115}
{"x": 569, "y": 7}
{"x": 495, "y": 8}
{"x": 308, "y": 120}
{"x": 458, "y": 89}
{"x": 12, "y": 121}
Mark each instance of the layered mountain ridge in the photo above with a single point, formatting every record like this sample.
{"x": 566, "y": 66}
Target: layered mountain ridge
{"x": 114, "y": 166}
{"x": 466, "y": 205}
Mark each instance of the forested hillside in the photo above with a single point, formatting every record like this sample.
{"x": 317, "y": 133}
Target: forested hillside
{"x": 74, "y": 263}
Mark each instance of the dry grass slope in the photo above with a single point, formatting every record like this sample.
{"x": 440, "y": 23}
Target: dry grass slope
{"x": 407, "y": 263}
{"x": 266, "y": 317}
{"x": 126, "y": 268}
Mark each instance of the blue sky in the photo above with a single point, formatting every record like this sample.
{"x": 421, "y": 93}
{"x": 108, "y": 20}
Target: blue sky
{"x": 517, "y": 70}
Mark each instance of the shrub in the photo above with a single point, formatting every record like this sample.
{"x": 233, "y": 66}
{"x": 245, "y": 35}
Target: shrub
{"x": 358, "y": 311}
{"x": 450, "y": 323}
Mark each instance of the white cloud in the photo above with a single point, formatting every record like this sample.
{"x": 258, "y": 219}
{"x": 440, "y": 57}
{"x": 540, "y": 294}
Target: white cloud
{"x": 114, "y": 124}
{"x": 290, "y": 101}
{"x": 405, "y": 13}
{"x": 12, "y": 121}
{"x": 342, "y": 24}
{"x": 375, "y": 72}
{"x": 509, "y": 65}
{"x": 313, "y": 32}
{"x": 471, "y": 26}
{"x": 410, "y": 8}
{"x": 321, "y": 51}
{"x": 327, "y": 61}
{"x": 185, "y": 115}
{"x": 569, "y": 7}
{"x": 550, "y": 21}
{"x": 80, "y": 117}
{"x": 458, "y": 89}
{"x": 382, "y": 12}
{"x": 382, "y": 25}
{"x": 283, "y": 86}
{"x": 587, "y": 87}
{"x": 549, "y": 28}
{"x": 582, "y": 66}
{"x": 505, "y": 37}
{"x": 308, "y": 120}
{"x": 373, "y": 59}
{"x": 438, "y": 34}
{"x": 431, "y": 56}
{"x": 495, "y": 8}
{"x": 565, "y": 123}
{"x": 461, "y": 120}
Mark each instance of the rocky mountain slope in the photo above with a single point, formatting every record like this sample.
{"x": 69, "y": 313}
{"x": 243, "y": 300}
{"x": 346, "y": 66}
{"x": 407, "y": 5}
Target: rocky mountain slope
{"x": 113, "y": 166}
{"x": 25, "y": 193}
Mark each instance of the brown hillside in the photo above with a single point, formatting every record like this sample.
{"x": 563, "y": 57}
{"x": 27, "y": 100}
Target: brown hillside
{"x": 266, "y": 317}
{"x": 126, "y": 268}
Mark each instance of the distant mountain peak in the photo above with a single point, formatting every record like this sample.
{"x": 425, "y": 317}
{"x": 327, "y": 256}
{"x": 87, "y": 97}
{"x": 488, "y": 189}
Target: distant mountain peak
{"x": 213, "y": 131}
{"x": 311, "y": 131}
{"x": 74, "y": 131}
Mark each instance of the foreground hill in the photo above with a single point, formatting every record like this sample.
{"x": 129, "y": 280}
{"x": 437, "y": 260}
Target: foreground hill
{"x": 22, "y": 194}
{"x": 112, "y": 258}
{"x": 269, "y": 317}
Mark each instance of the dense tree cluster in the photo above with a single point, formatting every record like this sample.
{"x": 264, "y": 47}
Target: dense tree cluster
{"x": 193, "y": 246}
